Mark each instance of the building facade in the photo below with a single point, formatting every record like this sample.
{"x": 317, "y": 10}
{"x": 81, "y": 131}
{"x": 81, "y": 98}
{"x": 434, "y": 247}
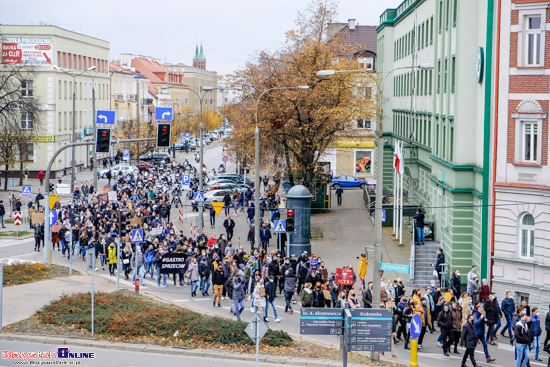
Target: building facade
{"x": 521, "y": 239}
{"x": 441, "y": 113}
{"x": 73, "y": 53}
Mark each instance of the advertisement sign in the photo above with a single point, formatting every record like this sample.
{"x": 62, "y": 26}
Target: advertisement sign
{"x": 173, "y": 263}
{"x": 344, "y": 276}
{"x": 27, "y": 50}
{"x": 363, "y": 162}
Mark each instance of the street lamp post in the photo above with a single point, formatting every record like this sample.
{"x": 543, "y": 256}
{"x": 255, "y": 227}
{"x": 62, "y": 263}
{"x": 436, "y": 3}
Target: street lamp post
{"x": 73, "y": 135}
{"x": 206, "y": 89}
{"x": 257, "y": 162}
{"x": 379, "y": 174}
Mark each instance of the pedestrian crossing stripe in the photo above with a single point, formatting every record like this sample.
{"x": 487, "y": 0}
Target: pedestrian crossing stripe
{"x": 280, "y": 226}
{"x": 137, "y": 235}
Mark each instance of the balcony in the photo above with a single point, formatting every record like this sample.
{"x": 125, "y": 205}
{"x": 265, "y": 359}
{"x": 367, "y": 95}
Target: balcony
{"x": 146, "y": 101}
{"x": 132, "y": 97}
{"x": 119, "y": 97}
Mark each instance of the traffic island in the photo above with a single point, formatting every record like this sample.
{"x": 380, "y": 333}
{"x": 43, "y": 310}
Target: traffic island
{"x": 126, "y": 317}
{"x": 24, "y": 273}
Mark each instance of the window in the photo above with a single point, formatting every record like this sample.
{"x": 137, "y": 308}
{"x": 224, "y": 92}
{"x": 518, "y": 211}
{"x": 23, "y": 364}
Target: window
{"x": 26, "y": 88}
{"x": 533, "y": 36}
{"x": 26, "y": 120}
{"x": 445, "y": 75}
{"x": 367, "y": 62}
{"x": 438, "y": 75}
{"x": 431, "y": 30}
{"x": 431, "y": 72}
{"x": 440, "y": 18}
{"x": 529, "y": 141}
{"x": 364, "y": 124}
{"x": 527, "y": 236}
{"x": 455, "y": 7}
{"x": 27, "y": 152}
{"x": 453, "y": 70}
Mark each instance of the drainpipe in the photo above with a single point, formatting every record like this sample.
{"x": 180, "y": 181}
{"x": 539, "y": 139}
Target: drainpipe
{"x": 495, "y": 140}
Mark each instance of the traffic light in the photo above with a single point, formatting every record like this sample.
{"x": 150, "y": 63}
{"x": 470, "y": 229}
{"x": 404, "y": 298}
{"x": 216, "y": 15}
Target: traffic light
{"x": 290, "y": 221}
{"x": 103, "y": 140}
{"x": 163, "y": 135}
{"x": 124, "y": 221}
{"x": 51, "y": 188}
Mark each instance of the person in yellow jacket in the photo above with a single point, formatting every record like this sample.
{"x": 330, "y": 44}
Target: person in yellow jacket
{"x": 111, "y": 252}
{"x": 362, "y": 268}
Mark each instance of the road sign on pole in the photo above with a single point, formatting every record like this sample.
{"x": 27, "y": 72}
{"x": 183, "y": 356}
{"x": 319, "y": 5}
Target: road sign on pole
{"x": 256, "y": 330}
{"x": 280, "y": 226}
{"x": 137, "y": 235}
{"x": 370, "y": 330}
{"x": 321, "y": 321}
{"x": 52, "y": 217}
{"x": 185, "y": 182}
{"x": 105, "y": 117}
{"x": 416, "y": 326}
{"x": 398, "y": 268}
{"x": 63, "y": 189}
{"x": 17, "y": 218}
{"x": 225, "y": 159}
{"x": 26, "y": 191}
{"x": 218, "y": 206}
{"x": 199, "y": 197}
{"x": 163, "y": 113}
{"x": 126, "y": 155}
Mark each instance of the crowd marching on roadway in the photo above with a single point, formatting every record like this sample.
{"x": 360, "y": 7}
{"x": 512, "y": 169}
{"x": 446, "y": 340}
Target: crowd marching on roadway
{"x": 254, "y": 277}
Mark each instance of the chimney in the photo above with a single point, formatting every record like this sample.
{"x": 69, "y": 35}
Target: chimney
{"x": 351, "y": 24}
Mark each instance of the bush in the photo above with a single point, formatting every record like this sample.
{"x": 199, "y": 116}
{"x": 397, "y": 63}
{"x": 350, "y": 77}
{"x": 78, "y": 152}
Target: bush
{"x": 127, "y": 316}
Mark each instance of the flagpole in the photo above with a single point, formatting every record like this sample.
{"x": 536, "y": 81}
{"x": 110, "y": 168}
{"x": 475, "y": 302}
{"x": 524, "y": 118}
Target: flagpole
{"x": 402, "y": 164}
{"x": 394, "y": 192}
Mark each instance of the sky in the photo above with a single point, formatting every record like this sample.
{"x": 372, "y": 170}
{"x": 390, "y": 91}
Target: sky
{"x": 231, "y": 31}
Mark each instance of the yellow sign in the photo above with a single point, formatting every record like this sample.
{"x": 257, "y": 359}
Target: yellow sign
{"x": 53, "y": 200}
{"x": 217, "y": 205}
{"x": 43, "y": 139}
{"x": 352, "y": 144}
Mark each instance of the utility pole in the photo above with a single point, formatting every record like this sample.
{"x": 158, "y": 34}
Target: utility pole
{"x": 257, "y": 188}
{"x": 94, "y": 154}
{"x": 73, "y": 138}
{"x": 138, "y": 118}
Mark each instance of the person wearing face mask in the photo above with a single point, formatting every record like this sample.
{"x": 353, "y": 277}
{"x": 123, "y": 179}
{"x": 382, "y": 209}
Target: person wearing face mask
{"x": 194, "y": 276}
{"x": 508, "y": 308}
{"x": 521, "y": 334}
{"x": 270, "y": 294}
{"x": 284, "y": 269}
{"x": 469, "y": 341}
{"x": 491, "y": 311}
{"x": 480, "y": 320}
{"x": 455, "y": 283}
{"x": 421, "y": 308}
{"x": 218, "y": 280}
{"x": 475, "y": 291}
{"x": 535, "y": 332}
{"x": 456, "y": 314}
{"x": 289, "y": 287}
{"x": 445, "y": 323}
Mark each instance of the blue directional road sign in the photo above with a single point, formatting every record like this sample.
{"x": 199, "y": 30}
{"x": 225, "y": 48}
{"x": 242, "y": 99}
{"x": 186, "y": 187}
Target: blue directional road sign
{"x": 182, "y": 135}
{"x": 53, "y": 217}
{"x": 137, "y": 235}
{"x": 383, "y": 216}
{"x": 280, "y": 226}
{"x": 185, "y": 181}
{"x": 126, "y": 154}
{"x": 199, "y": 197}
{"x": 26, "y": 191}
{"x": 416, "y": 326}
{"x": 187, "y": 135}
{"x": 163, "y": 113}
{"x": 286, "y": 187}
{"x": 105, "y": 117}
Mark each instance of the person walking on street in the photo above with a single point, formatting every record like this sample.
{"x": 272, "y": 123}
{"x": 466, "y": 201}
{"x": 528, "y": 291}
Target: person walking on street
{"x": 289, "y": 287}
{"x": 472, "y": 274}
{"x": 455, "y": 283}
{"x": 367, "y": 296}
{"x": 492, "y": 312}
{"x": 480, "y": 320}
{"x": 521, "y": 334}
{"x": 339, "y": 193}
{"x": 535, "y": 332}
{"x": 226, "y": 203}
{"x": 59, "y": 176}
{"x": 362, "y": 269}
{"x": 41, "y": 176}
{"x": 547, "y": 327}
{"x": 469, "y": 341}
{"x": 212, "y": 213}
{"x": 445, "y": 323}
{"x": 229, "y": 225}
{"x": 2, "y": 213}
{"x": 270, "y": 294}
{"x": 419, "y": 225}
{"x": 508, "y": 308}
{"x": 218, "y": 280}
{"x": 265, "y": 235}
{"x": 238, "y": 295}
{"x": 456, "y": 313}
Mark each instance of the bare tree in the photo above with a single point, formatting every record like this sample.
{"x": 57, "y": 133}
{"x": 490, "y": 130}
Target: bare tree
{"x": 19, "y": 116}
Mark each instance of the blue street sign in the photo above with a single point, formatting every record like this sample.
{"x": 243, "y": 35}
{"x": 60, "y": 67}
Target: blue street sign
{"x": 182, "y": 135}
{"x": 398, "y": 268}
{"x": 416, "y": 326}
{"x": 105, "y": 117}
{"x": 187, "y": 135}
{"x": 199, "y": 197}
{"x": 383, "y": 216}
{"x": 163, "y": 113}
{"x": 280, "y": 226}
{"x": 185, "y": 180}
{"x": 126, "y": 154}
{"x": 137, "y": 235}
{"x": 26, "y": 191}
{"x": 286, "y": 187}
{"x": 53, "y": 217}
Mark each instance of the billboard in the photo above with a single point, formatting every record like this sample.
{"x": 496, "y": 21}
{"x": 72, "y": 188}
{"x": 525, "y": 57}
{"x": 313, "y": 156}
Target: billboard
{"x": 27, "y": 50}
{"x": 363, "y": 162}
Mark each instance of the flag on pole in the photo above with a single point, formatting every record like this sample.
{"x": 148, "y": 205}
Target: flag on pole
{"x": 398, "y": 157}
{"x": 401, "y": 158}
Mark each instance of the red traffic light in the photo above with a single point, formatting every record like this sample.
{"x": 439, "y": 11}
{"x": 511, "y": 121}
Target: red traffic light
{"x": 290, "y": 213}
{"x": 104, "y": 134}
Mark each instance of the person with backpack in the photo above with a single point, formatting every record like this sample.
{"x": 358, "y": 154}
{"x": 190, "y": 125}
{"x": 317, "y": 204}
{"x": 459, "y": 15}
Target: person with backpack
{"x": 238, "y": 295}
{"x": 259, "y": 294}
{"x": 289, "y": 288}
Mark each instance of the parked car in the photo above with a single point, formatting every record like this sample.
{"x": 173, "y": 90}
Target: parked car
{"x": 347, "y": 181}
{"x": 216, "y": 195}
{"x": 224, "y": 186}
{"x": 233, "y": 177}
{"x": 155, "y": 156}
{"x": 124, "y": 169}
{"x": 142, "y": 165}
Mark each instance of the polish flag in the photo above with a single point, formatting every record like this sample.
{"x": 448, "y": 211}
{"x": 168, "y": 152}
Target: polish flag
{"x": 398, "y": 161}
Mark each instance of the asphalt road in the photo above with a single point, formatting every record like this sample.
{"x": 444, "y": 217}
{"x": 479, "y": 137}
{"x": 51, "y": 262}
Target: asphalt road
{"x": 109, "y": 357}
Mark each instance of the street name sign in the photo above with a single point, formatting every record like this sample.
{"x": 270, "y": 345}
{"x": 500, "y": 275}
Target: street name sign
{"x": 370, "y": 329}
{"x": 321, "y": 321}
{"x": 398, "y": 268}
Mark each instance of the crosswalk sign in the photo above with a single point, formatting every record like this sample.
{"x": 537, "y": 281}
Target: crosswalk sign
{"x": 280, "y": 226}
{"x": 26, "y": 191}
{"x": 137, "y": 235}
{"x": 199, "y": 197}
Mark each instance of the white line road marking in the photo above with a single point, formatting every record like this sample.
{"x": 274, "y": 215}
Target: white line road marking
{"x": 179, "y": 300}
{"x": 18, "y": 242}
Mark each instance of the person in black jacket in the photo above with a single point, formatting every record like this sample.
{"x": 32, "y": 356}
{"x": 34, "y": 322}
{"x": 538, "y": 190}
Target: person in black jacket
{"x": 419, "y": 225}
{"x": 547, "y": 327}
{"x": 445, "y": 323}
{"x": 438, "y": 268}
{"x": 468, "y": 339}
{"x": 521, "y": 334}
{"x": 270, "y": 294}
{"x": 367, "y": 296}
{"x": 218, "y": 280}
{"x": 492, "y": 315}
{"x": 2, "y": 212}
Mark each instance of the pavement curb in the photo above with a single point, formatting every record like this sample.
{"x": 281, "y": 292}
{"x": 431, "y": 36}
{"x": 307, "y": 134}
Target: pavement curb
{"x": 149, "y": 348}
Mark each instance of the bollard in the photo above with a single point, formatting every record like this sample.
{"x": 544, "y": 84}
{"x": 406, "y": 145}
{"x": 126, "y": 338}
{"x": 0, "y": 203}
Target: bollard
{"x": 137, "y": 285}
{"x": 414, "y": 351}
{"x": 51, "y": 255}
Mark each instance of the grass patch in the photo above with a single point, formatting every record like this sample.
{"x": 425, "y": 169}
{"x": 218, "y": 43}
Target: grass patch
{"x": 24, "y": 273}
{"x": 14, "y": 233}
{"x": 316, "y": 233}
{"x": 131, "y": 318}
